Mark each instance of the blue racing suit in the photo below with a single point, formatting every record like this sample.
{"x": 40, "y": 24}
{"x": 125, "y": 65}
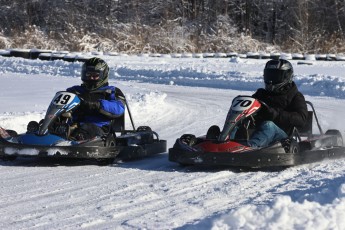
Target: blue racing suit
{"x": 111, "y": 107}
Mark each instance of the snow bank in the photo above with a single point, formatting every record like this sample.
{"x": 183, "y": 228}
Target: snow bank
{"x": 233, "y": 73}
{"x": 287, "y": 214}
{"x": 26, "y": 66}
{"x": 19, "y": 121}
{"x": 147, "y": 106}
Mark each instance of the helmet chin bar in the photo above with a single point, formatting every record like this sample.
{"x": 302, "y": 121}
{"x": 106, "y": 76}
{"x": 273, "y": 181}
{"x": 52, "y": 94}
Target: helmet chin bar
{"x": 276, "y": 88}
{"x": 90, "y": 85}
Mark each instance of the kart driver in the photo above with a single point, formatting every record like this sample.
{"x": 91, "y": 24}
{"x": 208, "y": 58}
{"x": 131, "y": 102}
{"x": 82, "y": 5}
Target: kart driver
{"x": 98, "y": 102}
{"x": 286, "y": 107}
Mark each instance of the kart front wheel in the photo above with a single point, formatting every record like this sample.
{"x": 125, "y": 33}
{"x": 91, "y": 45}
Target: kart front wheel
{"x": 213, "y": 132}
{"x": 188, "y": 139}
{"x": 11, "y": 132}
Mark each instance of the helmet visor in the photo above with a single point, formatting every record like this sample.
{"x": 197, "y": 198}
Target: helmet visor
{"x": 89, "y": 74}
{"x": 275, "y": 87}
{"x": 274, "y": 76}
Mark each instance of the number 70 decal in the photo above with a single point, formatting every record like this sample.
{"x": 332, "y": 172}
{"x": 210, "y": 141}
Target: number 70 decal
{"x": 242, "y": 103}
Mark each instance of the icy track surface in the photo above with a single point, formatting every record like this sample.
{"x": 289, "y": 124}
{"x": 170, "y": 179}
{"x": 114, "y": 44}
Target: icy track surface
{"x": 173, "y": 96}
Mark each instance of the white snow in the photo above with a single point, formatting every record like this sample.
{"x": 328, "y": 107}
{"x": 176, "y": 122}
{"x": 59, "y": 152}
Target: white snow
{"x": 174, "y": 96}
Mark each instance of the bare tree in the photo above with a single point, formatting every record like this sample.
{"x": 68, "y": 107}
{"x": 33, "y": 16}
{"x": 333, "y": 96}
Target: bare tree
{"x": 176, "y": 25}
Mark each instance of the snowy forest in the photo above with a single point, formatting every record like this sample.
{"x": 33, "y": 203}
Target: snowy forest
{"x": 167, "y": 26}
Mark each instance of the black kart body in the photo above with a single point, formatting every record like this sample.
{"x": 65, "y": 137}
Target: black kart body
{"x": 118, "y": 143}
{"x": 214, "y": 150}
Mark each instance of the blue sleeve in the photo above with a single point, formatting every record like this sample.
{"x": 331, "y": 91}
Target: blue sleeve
{"x": 112, "y": 107}
{"x": 115, "y": 107}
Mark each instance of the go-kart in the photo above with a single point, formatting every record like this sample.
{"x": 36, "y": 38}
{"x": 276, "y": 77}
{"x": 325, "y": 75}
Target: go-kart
{"x": 51, "y": 137}
{"x": 229, "y": 147}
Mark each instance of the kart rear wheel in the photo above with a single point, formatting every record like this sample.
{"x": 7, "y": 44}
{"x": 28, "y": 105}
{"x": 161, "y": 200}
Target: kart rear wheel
{"x": 337, "y": 134}
{"x": 147, "y": 134}
{"x": 144, "y": 129}
{"x": 110, "y": 141}
{"x": 294, "y": 147}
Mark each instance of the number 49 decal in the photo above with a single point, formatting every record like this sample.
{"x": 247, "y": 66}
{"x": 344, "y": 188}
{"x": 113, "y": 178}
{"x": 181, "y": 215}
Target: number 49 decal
{"x": 63, "y": 98}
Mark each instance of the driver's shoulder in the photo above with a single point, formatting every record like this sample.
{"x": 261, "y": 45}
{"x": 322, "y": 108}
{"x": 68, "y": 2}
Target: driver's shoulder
{"x": 75, "y": 89}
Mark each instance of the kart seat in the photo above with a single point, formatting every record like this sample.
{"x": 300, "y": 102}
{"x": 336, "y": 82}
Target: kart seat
{"x": 307, "y": 129}
{"x": 117, "y": 125}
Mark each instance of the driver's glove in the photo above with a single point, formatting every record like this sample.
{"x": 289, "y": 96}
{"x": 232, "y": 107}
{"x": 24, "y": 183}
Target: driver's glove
{"x": 90, "y": 105}
{"x": 269, "y": 113}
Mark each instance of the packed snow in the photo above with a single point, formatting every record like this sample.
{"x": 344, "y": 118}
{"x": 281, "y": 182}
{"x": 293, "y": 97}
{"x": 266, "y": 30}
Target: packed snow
{"x": 174, "y": 96}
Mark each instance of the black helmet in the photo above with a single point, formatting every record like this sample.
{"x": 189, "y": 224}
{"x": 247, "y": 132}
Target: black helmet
{"x": 94, "y": 73}
{"x": 277, "y": 75}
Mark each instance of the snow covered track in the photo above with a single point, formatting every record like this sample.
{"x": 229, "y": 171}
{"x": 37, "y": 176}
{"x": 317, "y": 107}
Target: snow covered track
{"x": 154, "y": 193}
{"x": 134, "y": 195}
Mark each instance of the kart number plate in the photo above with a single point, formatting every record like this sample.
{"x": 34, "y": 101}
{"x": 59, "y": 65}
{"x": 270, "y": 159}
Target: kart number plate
{"x": 63, "y": 98}
{"x": 242, "y": 103}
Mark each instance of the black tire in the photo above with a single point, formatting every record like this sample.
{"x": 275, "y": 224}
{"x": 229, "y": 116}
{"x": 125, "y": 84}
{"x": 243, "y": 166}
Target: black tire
{"x": 20, "y": 53}
{"x": 34, "y": 54}
{"x": 146, "y": 134}
{"x": 339, "y": 138}
{"x": 33, "y": 126}
{"x": 110, "y": 141}
{"x": 213, "y": 132}
{"x": 105, "y": 161}
{"x": 12, "y": 133}
{"x": 8, "y": 158}
{"x": 188, "y": 139}
{"x": 144, "y": 129}
{"x": 294, "y": 148}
